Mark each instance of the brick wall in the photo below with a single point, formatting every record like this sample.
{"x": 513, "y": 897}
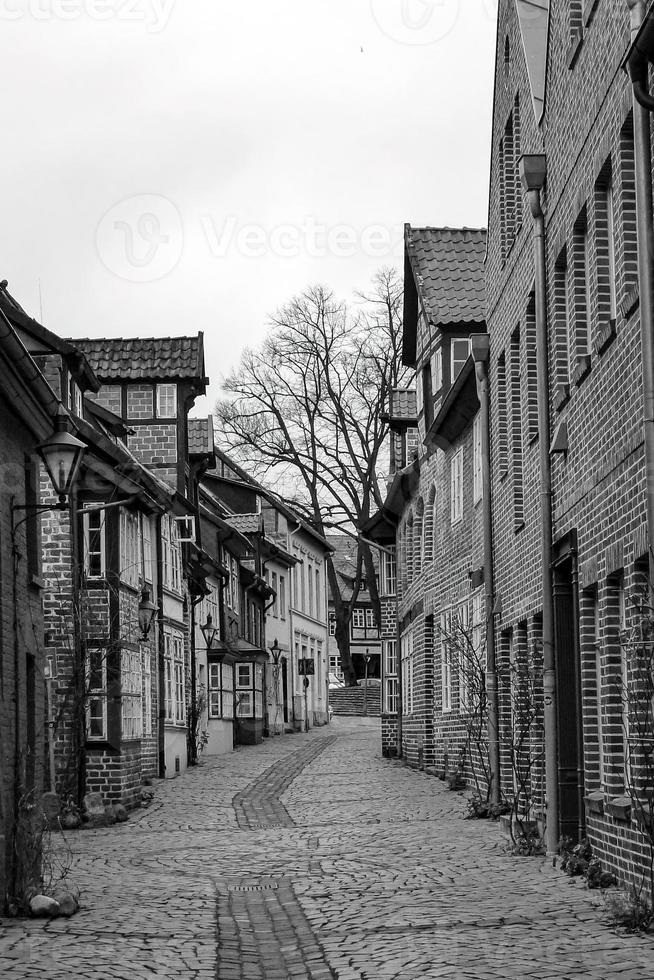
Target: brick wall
{"x": 595, "y": 382}
{"x": 22, "y": 685}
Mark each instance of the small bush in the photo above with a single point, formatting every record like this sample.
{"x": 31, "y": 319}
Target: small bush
{"x": 627, "y": 909}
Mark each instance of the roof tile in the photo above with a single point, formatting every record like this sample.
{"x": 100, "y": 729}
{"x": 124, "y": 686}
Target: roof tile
{"x": 138, "y": 358}
{"x": 448, "y": 265}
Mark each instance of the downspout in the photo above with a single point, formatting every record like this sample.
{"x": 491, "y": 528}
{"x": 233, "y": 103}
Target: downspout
{"x": 161, "y": 676}
{"x": 533, "y": 171}
{"x": 480, "y": 353}
{"x": 643, "y": 104}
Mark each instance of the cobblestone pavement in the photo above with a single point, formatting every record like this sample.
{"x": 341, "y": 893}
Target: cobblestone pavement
{"x": 310, "y": 856}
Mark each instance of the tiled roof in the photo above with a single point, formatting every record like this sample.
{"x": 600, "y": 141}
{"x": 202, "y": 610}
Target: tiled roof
{"x": 200, "y": 437}
{"x": 153, "y": 358}
{"x": 344, "y": 558}
{"x": 403, "y": 404}
{"x": 246, "y": 523}
{"x": 448, "y": 267}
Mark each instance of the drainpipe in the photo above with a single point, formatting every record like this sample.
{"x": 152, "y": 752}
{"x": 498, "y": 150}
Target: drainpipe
{"x": 643, "y": 104}
{"x": 533, "y": 171}
{"x": 480, "y": 352}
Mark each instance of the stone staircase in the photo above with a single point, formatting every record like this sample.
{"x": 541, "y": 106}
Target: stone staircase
{"x": 350, "y": 701}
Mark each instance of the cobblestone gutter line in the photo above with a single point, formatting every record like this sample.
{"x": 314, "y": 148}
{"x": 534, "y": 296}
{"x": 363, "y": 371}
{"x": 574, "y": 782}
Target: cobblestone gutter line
{"x": 259, "y": 805}
{"x": 263, "y": 934}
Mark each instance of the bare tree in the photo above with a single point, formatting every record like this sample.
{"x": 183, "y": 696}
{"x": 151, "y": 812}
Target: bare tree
{"x": 305, "y": 413}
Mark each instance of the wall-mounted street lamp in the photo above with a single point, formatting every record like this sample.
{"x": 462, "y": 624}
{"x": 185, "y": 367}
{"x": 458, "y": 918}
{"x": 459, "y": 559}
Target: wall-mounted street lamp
{"x": 209, "y": 632}
{"x": 61, "y": 454}
{"x": 147, "y": 612}
{"x": 276, "y": 651}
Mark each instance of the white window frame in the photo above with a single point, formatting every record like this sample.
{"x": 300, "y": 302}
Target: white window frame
{"x": 94, "y": 522}
{"x": 146, "y": 548}
{"x": 174, "y": 678}
{"x": 214, "y": 690}
{"x": 274, "y": 587}
{"x": 453, "y": 342}
{"x": 391, "y": 686}
{"x": 147, "y": 692}
{"x": 166, "y": 401}
{"x": 332, "y": 625}
{"x": 611, "y": 243}
{"x": 130, "y": 547}
{"x": 389, "y": 573}
{"x": 282, "y": 597}
{"x": 477, "y": 460}
{"x": 456, "y": 486}
{"x": 131, "y": 694}
{"x": 370, "y": 619}
{"x": 358, "y": 618}
{"x": 245, "y": 690}
{"x": 406, "y": 654}
{"x": 446, "y": 661}
{"x": 436, "y": 368}
{"x": 96, "y": 699}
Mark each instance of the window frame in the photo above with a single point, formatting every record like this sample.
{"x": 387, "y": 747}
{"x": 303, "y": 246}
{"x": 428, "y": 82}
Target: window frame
{"x": 162, "y": 394}
{"x": 456, "y": 487}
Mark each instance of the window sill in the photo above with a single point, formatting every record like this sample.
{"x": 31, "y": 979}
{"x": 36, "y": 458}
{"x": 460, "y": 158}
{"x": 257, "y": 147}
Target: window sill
{"x": 590, "y": 6}
{"x": 619, "y": 808}
{"x": 595, "y": 802}
{"x": 561, "y": 397}
{"x": 575, "y": 47}
{"x": 581, "y": 369}
{"x": 631, "y": 301}
{"x": 605, "y": 335}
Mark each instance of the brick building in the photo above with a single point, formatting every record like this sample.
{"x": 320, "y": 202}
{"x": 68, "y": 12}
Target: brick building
{"x": 28, "y": 408}
{"x": 365, "y": 630}
{"x": 151, "y": 384}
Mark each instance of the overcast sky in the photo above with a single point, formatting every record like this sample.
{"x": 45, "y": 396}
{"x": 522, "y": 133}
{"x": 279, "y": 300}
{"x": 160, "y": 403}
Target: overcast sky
{"x": 171, "y": 166}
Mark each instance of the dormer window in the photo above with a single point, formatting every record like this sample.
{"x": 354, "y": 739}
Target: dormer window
{"x": 166, "y": 401}
{"x": 459, "y": 353}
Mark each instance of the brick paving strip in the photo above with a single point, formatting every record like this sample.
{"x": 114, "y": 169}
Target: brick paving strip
{"x": 259, "y": 806}
{"x": 265, "y": 935}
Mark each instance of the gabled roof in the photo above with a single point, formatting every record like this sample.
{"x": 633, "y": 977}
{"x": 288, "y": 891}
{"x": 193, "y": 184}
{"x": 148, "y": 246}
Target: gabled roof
{"x": 200, "y": 437}
{"x": 146, "y": 359}
{"x": 246, "y": 523}
{"x": 39, "y": 340}
{"x": 443, "y": 271}
{"x": 402, "y": 407}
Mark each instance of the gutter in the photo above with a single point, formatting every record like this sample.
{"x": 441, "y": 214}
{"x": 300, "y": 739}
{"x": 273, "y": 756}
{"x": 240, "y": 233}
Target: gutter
{"x": 480, "y": 354}
{"x": 533, "y": 170}
{"x": 640, "y": 56}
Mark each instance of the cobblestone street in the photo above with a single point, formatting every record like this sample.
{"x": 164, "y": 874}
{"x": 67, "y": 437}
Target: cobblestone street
{"x": 310, "y": 856}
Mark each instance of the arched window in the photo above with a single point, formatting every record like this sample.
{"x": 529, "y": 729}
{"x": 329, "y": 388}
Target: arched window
{"x": 417, "y": 537}
{"x": 408, "y": 537}
{"x": 428, "y": 550}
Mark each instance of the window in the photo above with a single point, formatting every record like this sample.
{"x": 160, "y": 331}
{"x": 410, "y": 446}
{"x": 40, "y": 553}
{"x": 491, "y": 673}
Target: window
{"x": 172, "y": 558}
{"x": 317, "y": 573}
{"x": 130, "y": 547}
{"x": 478, "y": 635}
{"x": 310, "y": 588}
{"x": 605, "y": 247}
{"x": 516, "y": 432}
{"x": 502, "y": 420}
{"x": 282, "y": 596}
{"x": 215, "y": 690}
{"x": 610, "y": 241}
{"x": 391, "y": 687}
{"x": 532, "y": 369}
{"x": 332, "y": 625}
{"x": 174, "y": 677}
{"x": 233, "y": 596}
{"x": 389, "y": 573}
{"x": 459, "y": 353}
{"x": 244, "y": 691}
{"x": 436, "y": 364}
{"x": 456, "y": 486}
{"x": 146, "y": 543}
{"x": 147, "y": 693}
{"x": 427, "y": 396}
{"x": 96, "y": 683}
{"x": 406, "y": 652}
{"x": 131, "y": 680}
{"x": 275, "y": 608}
{"x": 446, "y": 660}
{"x": 94, "y": 544}
{"x": 465, "y": 656}
{"x": 358, "y": 618}
{"x": 411, "y": 445}
{"x": 166, "y": 401}
{"x": 76, "y": 400}
{"x": 477, "y": 472}
{"x": 370, "y": 619}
